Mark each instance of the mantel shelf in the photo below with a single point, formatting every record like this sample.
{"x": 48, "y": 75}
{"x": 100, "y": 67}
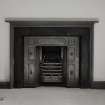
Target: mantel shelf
{"x": 49, "y": 22}
{"x": 52, "y": 19}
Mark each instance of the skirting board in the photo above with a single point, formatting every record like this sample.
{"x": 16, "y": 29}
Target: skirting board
{"x": 94, "y": 85}
{"x": 98, "y": 85}
{"x": 4, "y": 85}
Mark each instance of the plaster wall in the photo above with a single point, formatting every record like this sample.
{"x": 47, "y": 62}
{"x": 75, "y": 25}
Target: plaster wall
{"x": 53, "y": 9}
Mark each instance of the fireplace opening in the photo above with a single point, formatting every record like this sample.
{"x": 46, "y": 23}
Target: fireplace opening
{"x": 51, "y": 65}
{"x": 51, "y": 54}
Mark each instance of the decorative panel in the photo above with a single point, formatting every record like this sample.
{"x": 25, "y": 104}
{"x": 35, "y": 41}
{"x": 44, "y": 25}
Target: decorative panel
{"x": 29, "y": 61}
{"x": 31, "y": 71}
{"x": 31, "y": 54}
{"x": 54, "y": 41}
{"x": 73, "y": 62}
{"x": 71, "y": 72}
{"x": 47, "y": 41}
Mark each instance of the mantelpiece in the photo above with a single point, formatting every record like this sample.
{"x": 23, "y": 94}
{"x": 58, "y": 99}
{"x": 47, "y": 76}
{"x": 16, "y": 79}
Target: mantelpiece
{"x": 81, "y": 28}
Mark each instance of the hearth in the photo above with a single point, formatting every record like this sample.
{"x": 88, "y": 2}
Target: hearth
{"x": 51, "y": 52}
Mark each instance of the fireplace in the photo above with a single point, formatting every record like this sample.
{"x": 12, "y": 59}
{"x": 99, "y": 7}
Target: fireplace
{"x": 51, "y": 52}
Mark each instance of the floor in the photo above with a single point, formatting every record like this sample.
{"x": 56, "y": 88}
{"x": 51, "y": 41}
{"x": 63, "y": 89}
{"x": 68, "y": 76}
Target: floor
{"x": 52, "y": 96}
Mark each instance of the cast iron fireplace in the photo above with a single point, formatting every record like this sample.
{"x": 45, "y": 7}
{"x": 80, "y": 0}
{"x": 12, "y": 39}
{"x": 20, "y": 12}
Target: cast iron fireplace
{"x": 51, "y": 52}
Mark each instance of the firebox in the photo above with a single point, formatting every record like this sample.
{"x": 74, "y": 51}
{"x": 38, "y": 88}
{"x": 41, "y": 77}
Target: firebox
{"x": 51, "y": 64}
{"x": 51, "y": 52}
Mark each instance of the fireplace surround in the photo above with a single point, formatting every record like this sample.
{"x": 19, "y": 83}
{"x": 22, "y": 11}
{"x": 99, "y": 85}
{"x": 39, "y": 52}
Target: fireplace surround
{"x": 51, "y": 52}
